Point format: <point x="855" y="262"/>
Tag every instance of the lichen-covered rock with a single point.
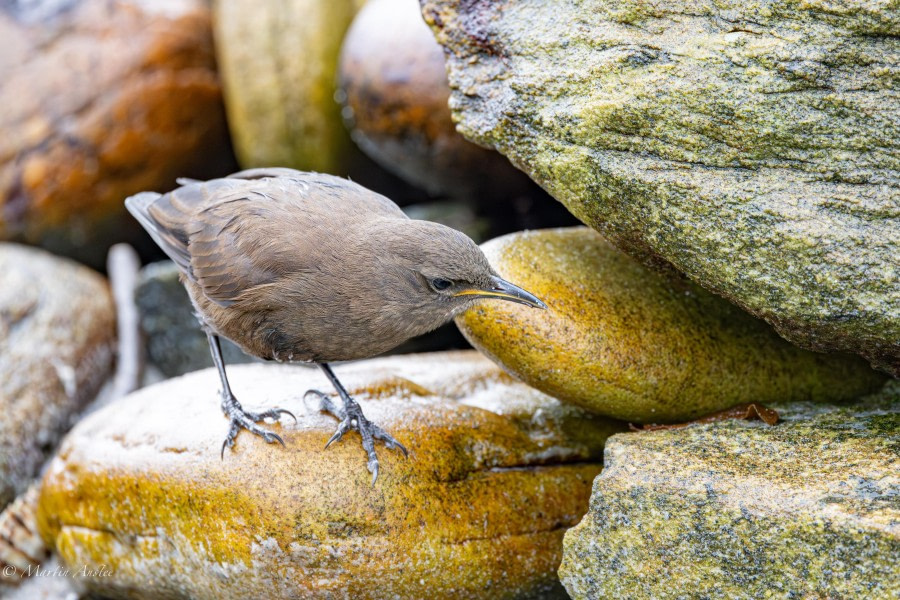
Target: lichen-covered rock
<point x="751" y="144"/>
<point x="625" y="341"/>
<point x="809" y="508"/>
<point x="57" y="336"/>
<point x="174" y="341"/>
<point x="101" y="100"/>
<point x="279" y="65"/>
<point x="394" y="89"/>
<point x="497" y="471"/>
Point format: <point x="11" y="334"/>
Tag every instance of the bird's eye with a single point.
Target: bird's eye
<point x="440" y="284"/>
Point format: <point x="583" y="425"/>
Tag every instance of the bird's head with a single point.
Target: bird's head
<point x="435" y="272"/>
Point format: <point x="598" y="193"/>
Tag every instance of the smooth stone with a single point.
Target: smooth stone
<point x="497" y="471"/>
<point x="628" y="342"/>
<point x="174" y="341"/>
<point x="279" y="62"/>
<point x="57" y="341"/>
<point x="102" y="100"/>
<point x="394" y="91"/>
<point x="809" y="508"/>
<point x="753" y="145"/>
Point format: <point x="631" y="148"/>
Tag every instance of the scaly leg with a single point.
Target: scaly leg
<point x="240" y="418"/>
<point x="351" y="417"/>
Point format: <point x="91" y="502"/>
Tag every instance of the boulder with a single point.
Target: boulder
<point x="809" y="508"/>
<point x="497" y="471"/>
<point x="623" y="340"/>
<point x="279" y="64"/>
<point x="102" y="100"/>
<point x="394" y="89"/>
<point x="751" y="145"/>
<point x="57" y="340"/>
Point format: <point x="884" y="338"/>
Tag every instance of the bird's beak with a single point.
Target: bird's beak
<point x="500" y="288"/>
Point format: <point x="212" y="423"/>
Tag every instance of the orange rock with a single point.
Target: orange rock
<point x="100" y="101"/>
<point x="497" y="472"/>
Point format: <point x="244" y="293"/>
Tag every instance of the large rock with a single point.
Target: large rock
<point x="753" y="145"/>
<point x="57" y="337"/>
<point x="622" y="340"/>
<point x="394" y="89"/>
<point x="497" y="471"/>
<point x="101" y="100"/>
<point x="809" y="508"/>
<point x="279" y="64"/>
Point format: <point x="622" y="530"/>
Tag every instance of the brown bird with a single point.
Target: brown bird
<point x="295" y="266"/>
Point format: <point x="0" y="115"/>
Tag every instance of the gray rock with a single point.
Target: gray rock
<point x="752" y="145"/>
<point x="57" y="337"/>
<point x="175" y="342"/>
<point x="809" y="508"/>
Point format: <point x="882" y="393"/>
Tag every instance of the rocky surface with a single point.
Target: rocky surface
<point x="394" y="90"/>
<point x="625" y="341"/>
<point x="278" y="62"/>
<point x="57" y="337"/>
<point x="172" y="336"/>
<point x="102" y="100"/>
<point x="809" y="508"/>
<point x="497" y="472"/>
<point x="752" y="145"/>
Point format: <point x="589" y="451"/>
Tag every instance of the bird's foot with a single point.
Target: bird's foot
<point x="243" y="419"/>
<point x="351" y="417"/>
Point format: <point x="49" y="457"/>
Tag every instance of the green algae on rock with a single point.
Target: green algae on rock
<point x="497" y="471"/>
<point x="809" y="508"/>
<point x="57" y="339"/>
<point x="625" y="341"/>
<point x="278" y="62"/>
<point x="753" y="145"/>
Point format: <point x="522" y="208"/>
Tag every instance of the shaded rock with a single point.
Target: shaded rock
<point x="625" y="341"/>
<point x="497" y="472"/>
<point x="278" y="62"/>
<point x="394" y="90"/>
<point x="751" y="145"/>
<point x="102" y="100"/>
<point x="57" y="337"/>
<point x="174" y="341"/>
<point x="806" y="509"/>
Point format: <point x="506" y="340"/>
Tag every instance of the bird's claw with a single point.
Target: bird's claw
<point x="241" y="419"/>
<point x="351" y="417"/>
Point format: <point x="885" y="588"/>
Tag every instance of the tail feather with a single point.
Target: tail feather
<point x="141" y="208"/>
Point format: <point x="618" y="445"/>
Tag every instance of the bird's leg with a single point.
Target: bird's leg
<point x="351" y="417"/>
<point x="240" y="418"/>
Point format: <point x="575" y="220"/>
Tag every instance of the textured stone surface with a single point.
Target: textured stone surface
<point x="57" y="337"/>
<point x="623" y="340"/>
<point x="101" y="100"/>
<point x="279" y="65"/>
<point x="751" y="144"/>
<point x="395" y="92"/>
<point x="497" y="472"/>
<point x="809" y="508"/>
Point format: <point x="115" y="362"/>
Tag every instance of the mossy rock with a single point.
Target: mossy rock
<point x="752" y="144"/>
<point x="497" y="472"/>
<point x="808" y="508"/>
<point x="623" y="340"/>
<point x="279" y="63"/>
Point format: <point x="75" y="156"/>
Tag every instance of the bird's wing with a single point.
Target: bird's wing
<point x="234" y="234"/>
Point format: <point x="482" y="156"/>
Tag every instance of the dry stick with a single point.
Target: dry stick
<point x="123" y="266"/>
